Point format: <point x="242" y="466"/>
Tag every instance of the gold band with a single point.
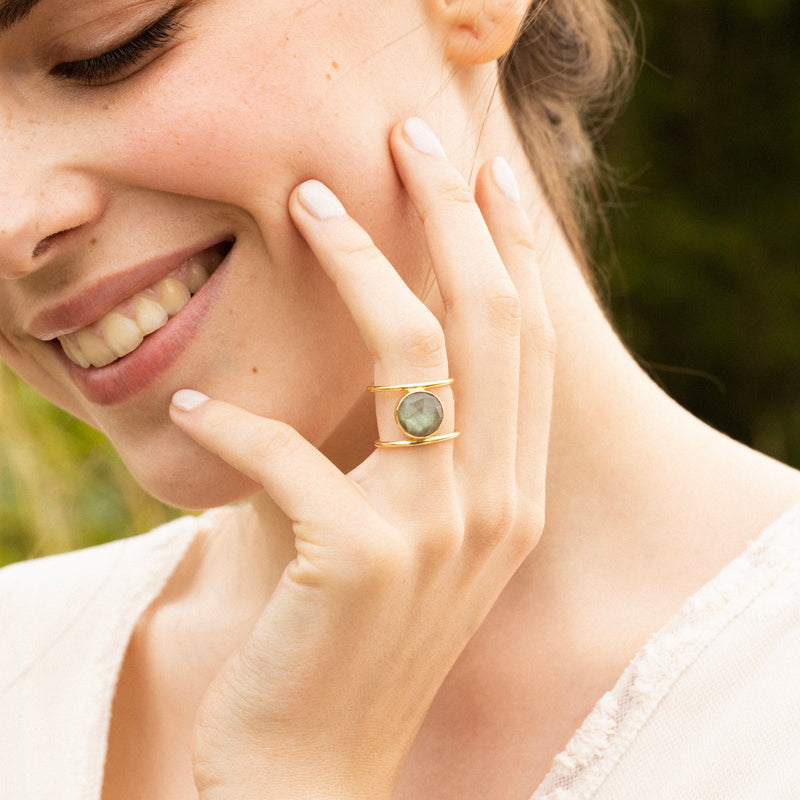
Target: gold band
<point x="443" y="437"/>
<point x="418" y="423"/>
<point x="408" y="387"/>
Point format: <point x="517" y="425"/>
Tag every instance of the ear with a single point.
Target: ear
<point x="478" y="31"/>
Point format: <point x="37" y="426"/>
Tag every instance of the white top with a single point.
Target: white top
<point x="708" y="709"/>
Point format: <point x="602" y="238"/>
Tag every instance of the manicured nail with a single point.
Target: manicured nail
<point x="421" y="137"/>
<point x="188" y="399"/>
<point x="504" y="179"/>
<point x="320" y="201"/>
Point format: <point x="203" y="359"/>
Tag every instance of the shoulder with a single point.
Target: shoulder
<point x="65" y="624"/>
<point x="75" y="572"/>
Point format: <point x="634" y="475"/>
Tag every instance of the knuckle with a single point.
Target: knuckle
<point x="361" y="248"/>
<point x="528" y="531"/>
<point x="385" y="555"/>
<point x="528" y="528"/>
<point x="503" y="305"/>
<point x="221" y="421"/>
<point x="378" y="559"/>
<point x="440" y="542"/>
<point x="458" y="193"/>
<point x="535" y="518"/>
<point x="423" y="345"/>
<point x="379" y="566"/>
<point x="522" y="239"/>
<point x="493" y="520"/>
<point x="541" y="338"/>
<point x="208" y="772"/>
<point x="278" y="441"/>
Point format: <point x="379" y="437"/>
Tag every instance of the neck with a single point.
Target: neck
<point x="623" y="457"/>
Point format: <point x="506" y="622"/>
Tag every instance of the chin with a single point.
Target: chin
<point x="192" y="480"/>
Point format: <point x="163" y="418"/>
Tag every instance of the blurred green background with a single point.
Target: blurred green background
<point x="702" y="277"/>
<point x="707" y="231"/>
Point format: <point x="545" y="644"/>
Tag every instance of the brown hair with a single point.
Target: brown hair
<point x="564" y="80"/>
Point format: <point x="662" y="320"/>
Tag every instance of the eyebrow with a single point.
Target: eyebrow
<point x="14" y="11"/>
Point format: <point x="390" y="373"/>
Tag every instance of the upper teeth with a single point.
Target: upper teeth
<point x="122" y="330"/>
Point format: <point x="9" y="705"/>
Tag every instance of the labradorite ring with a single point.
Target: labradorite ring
<point x="418" y="413"/>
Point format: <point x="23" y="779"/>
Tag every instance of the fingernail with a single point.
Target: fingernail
<point x="188" y="399"/>
<point x="504" y="179"/>
<point x="421" y="137"/>
<point x="320" y="201"/>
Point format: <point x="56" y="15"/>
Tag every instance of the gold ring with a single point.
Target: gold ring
<point x="407" y="387"/>
<point x="419" y="413"/>
<point x="414" y="442"/>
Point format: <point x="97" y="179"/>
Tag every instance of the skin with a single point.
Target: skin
<point x="112" y="154"/>
<point x="384" y="600"/>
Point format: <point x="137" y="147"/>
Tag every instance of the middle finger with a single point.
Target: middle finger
<point x="483" y="314"/>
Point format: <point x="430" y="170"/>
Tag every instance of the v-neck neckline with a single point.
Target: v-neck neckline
<point x="592" y="752"/>
<point x="146" y="563"/>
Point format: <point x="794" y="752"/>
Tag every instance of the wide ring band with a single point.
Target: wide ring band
<point x="419" y="414"/>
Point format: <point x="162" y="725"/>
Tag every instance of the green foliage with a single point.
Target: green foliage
<point x="62" y="486"/>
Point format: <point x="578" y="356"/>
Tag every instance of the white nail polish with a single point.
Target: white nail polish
<point x="188" y="399"/>
<point x="504" y="179"/>
<point x="320" y="201"/>
<point x="421" y="137"/>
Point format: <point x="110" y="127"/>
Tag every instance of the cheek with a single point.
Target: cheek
<point x="247" y="134"/>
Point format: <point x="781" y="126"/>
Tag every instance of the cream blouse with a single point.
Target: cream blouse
<point x="708" y="709"/>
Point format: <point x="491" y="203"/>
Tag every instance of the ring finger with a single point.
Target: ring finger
<point x="483" y="312"/>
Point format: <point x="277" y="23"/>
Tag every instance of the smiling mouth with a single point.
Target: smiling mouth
<point x="124" y="328"/>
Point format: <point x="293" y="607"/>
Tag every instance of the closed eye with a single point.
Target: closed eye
<point x="116" y="64"/>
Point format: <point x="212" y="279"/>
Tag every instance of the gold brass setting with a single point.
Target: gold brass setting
<point x="419" y="413"/>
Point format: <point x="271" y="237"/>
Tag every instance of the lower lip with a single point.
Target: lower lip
<point x="131" y="374"/>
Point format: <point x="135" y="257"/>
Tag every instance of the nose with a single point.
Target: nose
<point x="40" y="205"/>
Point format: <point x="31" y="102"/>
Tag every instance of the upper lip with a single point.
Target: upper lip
<point x="90" y="303"/>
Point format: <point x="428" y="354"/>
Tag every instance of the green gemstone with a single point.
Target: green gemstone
<point x="419" y="414"/>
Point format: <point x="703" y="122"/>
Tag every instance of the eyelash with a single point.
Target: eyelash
<point x="107" y="67"/>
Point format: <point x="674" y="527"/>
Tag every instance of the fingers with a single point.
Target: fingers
<point x="483" y="257"/>
<point x="401" y="333"/>
<point x="403" y="336"/>
<point x="512" y="232"/>
<point x="482" y="325"/>
<point x="306" y="486"/>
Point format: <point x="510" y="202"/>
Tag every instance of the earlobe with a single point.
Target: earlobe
<point x="478" y="31"/>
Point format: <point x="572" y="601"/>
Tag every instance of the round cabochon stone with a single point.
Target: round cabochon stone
<point x="420" y="414"/>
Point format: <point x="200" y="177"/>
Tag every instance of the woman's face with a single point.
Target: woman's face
<point x="125" y="165"/>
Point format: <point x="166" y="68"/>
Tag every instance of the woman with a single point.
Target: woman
<point x="221" y="222"/>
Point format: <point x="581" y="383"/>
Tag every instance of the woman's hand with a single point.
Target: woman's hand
<point x="399" y="562"/>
